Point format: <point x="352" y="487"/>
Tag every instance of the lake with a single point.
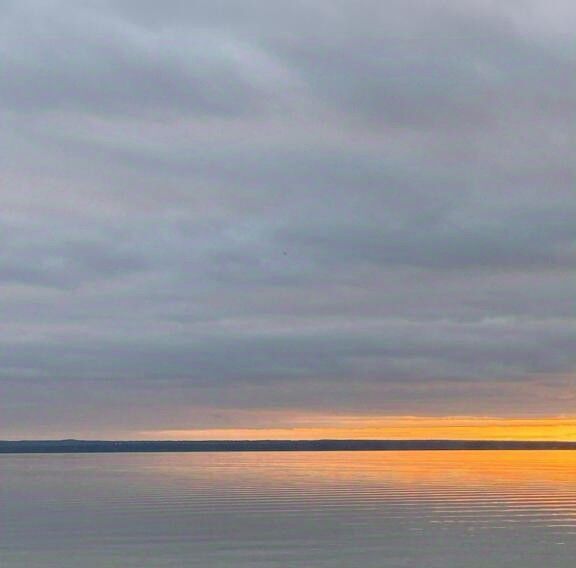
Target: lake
<point x="415" y="509"/>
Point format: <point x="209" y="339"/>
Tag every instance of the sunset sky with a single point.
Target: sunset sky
<point x="287" y="219"/>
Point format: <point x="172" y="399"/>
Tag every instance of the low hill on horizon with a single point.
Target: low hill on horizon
<point x="111" y="446"/>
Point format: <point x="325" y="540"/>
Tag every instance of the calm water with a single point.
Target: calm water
<point x="344" y="509"/>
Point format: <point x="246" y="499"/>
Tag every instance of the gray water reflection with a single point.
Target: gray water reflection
<point x="341" y="509"/>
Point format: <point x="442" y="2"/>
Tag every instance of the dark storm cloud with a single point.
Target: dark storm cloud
<point x="305" y="201"/>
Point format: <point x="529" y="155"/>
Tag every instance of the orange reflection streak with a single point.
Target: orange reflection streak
<point x="461" y="468"/>
<point x="472" y="487"/>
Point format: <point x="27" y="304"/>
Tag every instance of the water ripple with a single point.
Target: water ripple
<point x="373" y="509"/>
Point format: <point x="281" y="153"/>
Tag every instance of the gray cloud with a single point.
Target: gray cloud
<point x="362" y="204"/>
<point x="59" y="56"/>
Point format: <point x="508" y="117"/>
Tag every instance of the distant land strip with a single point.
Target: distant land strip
<point x="98" y="446"/>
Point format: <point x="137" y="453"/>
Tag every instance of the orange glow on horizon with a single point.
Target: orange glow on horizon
<point x="394" y="428"/>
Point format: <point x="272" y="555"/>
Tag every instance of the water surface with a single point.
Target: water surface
<point x="416" y="509"/>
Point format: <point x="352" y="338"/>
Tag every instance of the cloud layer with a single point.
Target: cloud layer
<point x="208" y="208"/>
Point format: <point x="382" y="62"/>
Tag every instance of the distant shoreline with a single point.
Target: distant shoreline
<point x="103" y="446"/>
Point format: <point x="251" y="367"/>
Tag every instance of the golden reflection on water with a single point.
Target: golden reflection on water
<point x="410" y="509"/>
<point x="482" y="489"/>
<point x="501" y="467"/>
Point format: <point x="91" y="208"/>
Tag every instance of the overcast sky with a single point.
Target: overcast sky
<point x="215" y="211"/>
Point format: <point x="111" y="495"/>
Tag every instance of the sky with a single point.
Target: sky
<point x="287" y="219"/>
